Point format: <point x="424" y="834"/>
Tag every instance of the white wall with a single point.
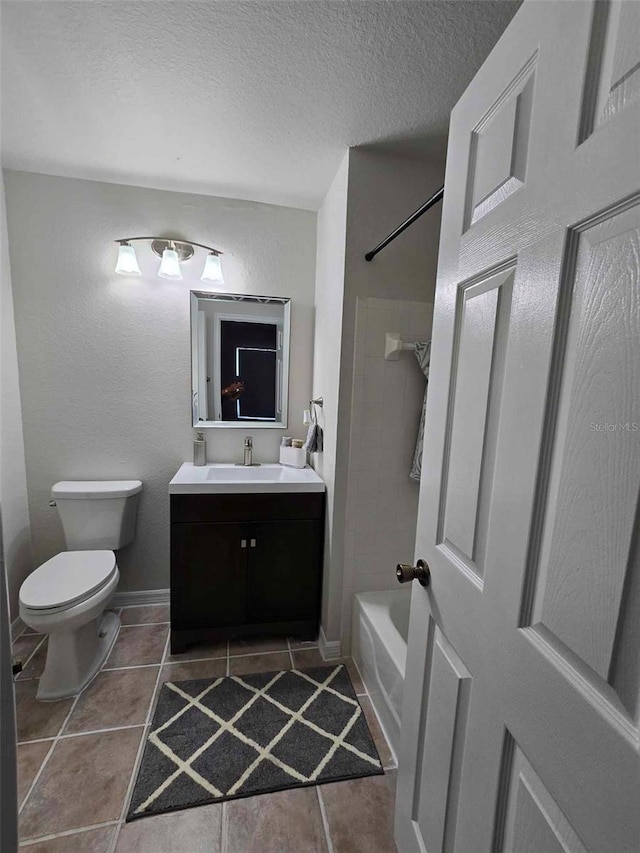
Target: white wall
<point x="382" y="501"/>
<point x="329" y="295"/>
<point x="16" y="529"/>
<point x="105" y="360"/>
<point x="383" y="189"/>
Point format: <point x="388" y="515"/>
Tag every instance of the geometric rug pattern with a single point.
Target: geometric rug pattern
<point x="218" y="739"/>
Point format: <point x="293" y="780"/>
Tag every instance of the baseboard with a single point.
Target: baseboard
<point x="140" y="597"/>
<point x="17" y="627"/>
<point x="329" y="649"/>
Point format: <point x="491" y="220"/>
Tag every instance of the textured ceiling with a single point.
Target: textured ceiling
<point x="254" y="100"/>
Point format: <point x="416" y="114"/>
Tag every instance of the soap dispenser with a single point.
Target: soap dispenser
<point x="199" y="450"/>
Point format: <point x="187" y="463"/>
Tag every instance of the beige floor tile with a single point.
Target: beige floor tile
<point x="30" y="758"/>
<point x="257" y="646"/>
<point x="376" y="732"/>
<point x="355" y="676"/>
<point x="144" y="615"/>
<point x="138" y="645"/>
<point x="35" y="666"/>
<point x="92" y="841"/>
<point x="360" y="814"/>
<point x="392" y="780"/>
<point x="304" y="658"/>
<point x="83" y="783"/>
<point x="25" y="646"/>
<point x="259" y="663"/>
<point x="303" y="644"/>
<point x="38" y="719"/>
<point x="200" y="651"/>
<point x="120" y="697"/>
<point x="190" y="670"/>
<point x="283" y="822"/>
<point x="197" y="830"/>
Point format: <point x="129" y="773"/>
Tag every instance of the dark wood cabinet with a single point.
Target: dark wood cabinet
<point x="212" y="584"/>
<point x="243" y="565"/>
<point x="284" y="571"/>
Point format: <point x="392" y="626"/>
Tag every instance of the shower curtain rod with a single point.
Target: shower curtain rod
<point x="435" y="198"/>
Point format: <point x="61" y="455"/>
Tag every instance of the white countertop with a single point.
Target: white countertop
<point x="226" y="478"/>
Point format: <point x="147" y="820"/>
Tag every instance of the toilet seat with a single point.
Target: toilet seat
<point x="66" y="579"/>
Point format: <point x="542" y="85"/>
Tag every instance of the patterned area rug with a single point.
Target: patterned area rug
<point x="219" y="739"/>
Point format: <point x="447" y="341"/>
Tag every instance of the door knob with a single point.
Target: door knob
<point x="420" y="572"/>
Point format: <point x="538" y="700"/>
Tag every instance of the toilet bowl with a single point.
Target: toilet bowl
<point x="66" y="598"/>
<point x="67" y="595"/>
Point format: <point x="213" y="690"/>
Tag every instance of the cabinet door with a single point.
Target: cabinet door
<point x="284" y="571"/>
<point x="208" y="574"/>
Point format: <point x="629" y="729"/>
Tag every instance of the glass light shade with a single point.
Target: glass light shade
<point x="212" y="269"/>
<point x="127" y="262"/>
<point x="170" y="265"/>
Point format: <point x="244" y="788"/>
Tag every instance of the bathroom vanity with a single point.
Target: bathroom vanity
<point x="246" y="552"/>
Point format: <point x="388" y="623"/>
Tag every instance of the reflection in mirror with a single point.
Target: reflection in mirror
<point x="239" y="360"/>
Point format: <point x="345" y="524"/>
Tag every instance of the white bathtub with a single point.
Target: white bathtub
<point x="379" y="646"/>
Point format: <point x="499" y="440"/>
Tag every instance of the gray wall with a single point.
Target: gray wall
<point x="382" y="190"/>
<point x="105" y="360"/>
<point x="16" y="529"/>
<point x="382" y="501"/>
<point x="329" y="296"/>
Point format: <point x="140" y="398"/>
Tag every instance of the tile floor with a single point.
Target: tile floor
<point x="77" y="759"/>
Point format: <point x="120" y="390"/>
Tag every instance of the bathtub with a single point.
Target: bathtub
<point x="379" y="646"/>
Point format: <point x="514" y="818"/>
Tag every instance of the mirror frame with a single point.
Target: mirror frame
<point x="231" y="298"/>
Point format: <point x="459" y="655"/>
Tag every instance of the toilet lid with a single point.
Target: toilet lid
<point x="67" y="578"/>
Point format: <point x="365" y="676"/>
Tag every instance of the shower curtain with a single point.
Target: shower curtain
<point x="423" y="354"/>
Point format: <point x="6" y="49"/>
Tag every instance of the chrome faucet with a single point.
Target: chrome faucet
<point x="248" y="450"/>
<point x="248" y="453"/>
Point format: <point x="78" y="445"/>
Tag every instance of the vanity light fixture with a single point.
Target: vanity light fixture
<point x="172" y="254"/>
<point x="127" y="261"/>
<point x="170" y="264"/>
<point x="212" y="269"/>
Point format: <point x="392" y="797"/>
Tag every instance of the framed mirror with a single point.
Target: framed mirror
<point x="239" y="360"/>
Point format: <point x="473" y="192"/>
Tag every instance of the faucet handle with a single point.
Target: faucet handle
<point x="248" y="441"/>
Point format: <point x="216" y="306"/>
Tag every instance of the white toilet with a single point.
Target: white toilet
<point x="66" y="597"/>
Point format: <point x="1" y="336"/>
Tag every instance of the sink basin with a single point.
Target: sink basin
<point x="224" y="474"/>
<point x="225" y="478"/>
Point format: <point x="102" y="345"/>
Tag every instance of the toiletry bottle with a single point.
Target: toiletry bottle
<point x="199" y="450"/>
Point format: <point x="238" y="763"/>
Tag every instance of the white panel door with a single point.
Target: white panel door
<point x="520" y="728"/>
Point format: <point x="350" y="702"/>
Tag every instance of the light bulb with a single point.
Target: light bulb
<point x="127" y="262"/>
<point x="212" y="269"/>
<point x="170" y="265"/>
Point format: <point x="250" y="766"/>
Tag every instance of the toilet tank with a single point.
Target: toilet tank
<point x="97" y="514"/>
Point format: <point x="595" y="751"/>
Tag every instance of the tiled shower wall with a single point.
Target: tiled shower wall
<point x="382" y="501"/>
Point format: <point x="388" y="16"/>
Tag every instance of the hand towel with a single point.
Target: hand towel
<point x="423" y="354"/>
<point x="313" y="443"/>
